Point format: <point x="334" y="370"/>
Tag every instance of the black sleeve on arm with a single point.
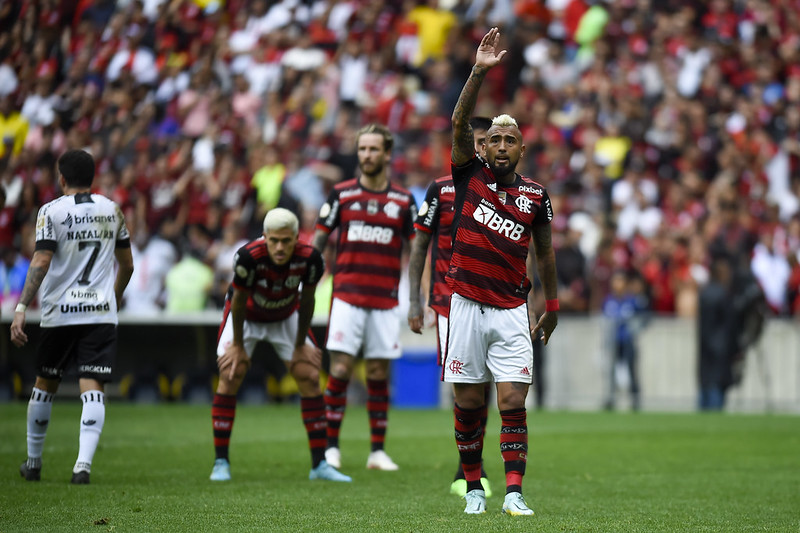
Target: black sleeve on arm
<point x="47" y="246"/>
<point x="428" y="216"/>
<point x="244" y="269"/>
<point x="545" y="213"/>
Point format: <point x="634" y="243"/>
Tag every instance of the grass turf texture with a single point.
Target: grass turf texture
<point x="586" y="472"/>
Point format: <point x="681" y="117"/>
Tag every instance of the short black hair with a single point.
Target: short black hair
<point x="480" y="123"/>
<point x="77" y="167"/>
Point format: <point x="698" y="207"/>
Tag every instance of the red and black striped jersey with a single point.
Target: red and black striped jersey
<point x="436" y="217"/>
<point x="273" y="288"/>
<point x="493" y="226"/>
<point x="372" y="227"/>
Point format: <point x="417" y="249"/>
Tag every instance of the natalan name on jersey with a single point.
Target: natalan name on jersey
<point x="83" y="231"/>
<point x="90" y="234"/>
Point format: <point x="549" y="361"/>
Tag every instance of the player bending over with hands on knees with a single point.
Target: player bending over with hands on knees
<point x="497" y="214"/>
<point x="271" y="299"/>
<point x="78" y="237"/>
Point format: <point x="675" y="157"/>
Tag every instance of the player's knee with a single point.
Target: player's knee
<point x="341" y="367"/>
<point x="305" y="373"/>
<point x="47" y="384"/>
<point x="513" y="400"/>
<point x="469" y="396"/>
<point x="230" y="385"/>
<point x="377" y="369"/>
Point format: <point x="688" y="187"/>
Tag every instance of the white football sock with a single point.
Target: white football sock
<point x="39" y="407"/>
<point x="93" y="416"/>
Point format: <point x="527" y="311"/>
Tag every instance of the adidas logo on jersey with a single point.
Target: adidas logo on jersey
<point x="486" y="215"/>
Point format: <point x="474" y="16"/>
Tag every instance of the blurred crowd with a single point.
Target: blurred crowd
<point x="667" y="132"/>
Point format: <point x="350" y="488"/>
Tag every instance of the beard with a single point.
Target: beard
<point x="500" y="171"/>
<point x="372" y="170"/>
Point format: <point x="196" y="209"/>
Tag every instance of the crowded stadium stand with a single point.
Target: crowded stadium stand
<point x="667" y="132"/>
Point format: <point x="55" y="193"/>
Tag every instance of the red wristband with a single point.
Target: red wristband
<point x="551" y="305"/>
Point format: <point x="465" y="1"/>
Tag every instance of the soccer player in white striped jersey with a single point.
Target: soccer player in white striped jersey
<point x="78" y="237"/>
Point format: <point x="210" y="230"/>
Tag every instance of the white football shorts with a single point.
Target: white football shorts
<point x="376" y="330"/>
<point x="281" y="335"/>
<point x="487" y="343"/>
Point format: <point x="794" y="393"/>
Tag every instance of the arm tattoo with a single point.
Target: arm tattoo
<point x="33" y="281"/>
<point x="545" y="260"/>
<point x="416" y="262"/>
<point x="542" y="238"/>
<point x="463" y="143"/>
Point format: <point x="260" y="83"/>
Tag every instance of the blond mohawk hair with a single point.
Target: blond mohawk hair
<point x="505" y="121"/>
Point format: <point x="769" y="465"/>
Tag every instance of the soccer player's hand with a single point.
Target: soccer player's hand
<point x="430" y="317"/>
<point x="18" y="336"/>
<point x="488" y="54"/>
<point x="235" y="357"/>
<point x="416" y="319"/>
<point x="547" y="323"/>
<point x="307" y="354"/>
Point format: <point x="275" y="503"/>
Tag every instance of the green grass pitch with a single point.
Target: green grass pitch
<point x="586" y="472"/>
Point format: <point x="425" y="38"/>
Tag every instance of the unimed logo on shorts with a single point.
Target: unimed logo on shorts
<point x="487" y="216"/>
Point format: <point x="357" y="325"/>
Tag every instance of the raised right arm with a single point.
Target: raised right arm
<point x="486" y="57"/>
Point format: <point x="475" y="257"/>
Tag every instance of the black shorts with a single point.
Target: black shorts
<point x="89" y="349"/>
